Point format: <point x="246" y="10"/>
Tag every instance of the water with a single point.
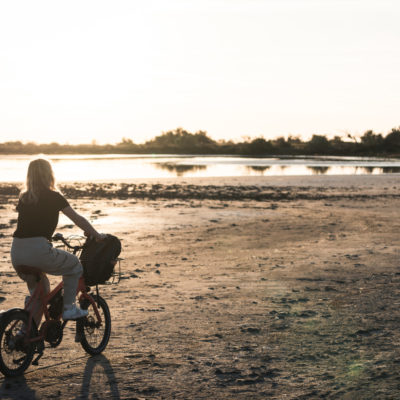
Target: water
<point x="124" y="167"/>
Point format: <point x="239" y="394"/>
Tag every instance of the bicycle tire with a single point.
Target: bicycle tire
<point x="15" y="356"/>
<point x="94" y="337"/>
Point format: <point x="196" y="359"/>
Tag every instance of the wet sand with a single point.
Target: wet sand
<point x="234" y="288"/>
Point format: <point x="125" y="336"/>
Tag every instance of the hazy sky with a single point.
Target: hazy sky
<point x="74" y="71"/>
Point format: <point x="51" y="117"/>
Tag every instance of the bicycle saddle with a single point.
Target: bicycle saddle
<point x="28" y="270"/>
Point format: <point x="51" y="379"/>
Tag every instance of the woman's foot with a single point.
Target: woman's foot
<point x="73" y="312"/>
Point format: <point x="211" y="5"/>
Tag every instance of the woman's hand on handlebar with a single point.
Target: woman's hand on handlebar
<point x="99" y="237"/>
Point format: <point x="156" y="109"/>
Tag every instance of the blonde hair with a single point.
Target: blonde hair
<point x="39" y="177"/>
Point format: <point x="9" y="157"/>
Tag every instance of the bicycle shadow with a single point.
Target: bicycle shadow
<point x="99" y="380"/>
<point x="12" y="388"/>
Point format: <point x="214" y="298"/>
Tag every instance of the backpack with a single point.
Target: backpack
<point x="99" y="258"/>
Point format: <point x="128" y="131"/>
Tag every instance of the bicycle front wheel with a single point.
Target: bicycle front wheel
<point x="93" y="333"/>
<point x="15" y="354"/>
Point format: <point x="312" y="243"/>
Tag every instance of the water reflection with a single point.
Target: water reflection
<point x="378" y="170"/>
<point x="180" y="169"/>
<point x="368" y="170"/>
<point x="390" y="170"/>
<point x="318" y="170"/>
<point x="121" y="167"/>
<point x="259" y="169"/>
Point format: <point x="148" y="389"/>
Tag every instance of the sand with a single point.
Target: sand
<point x="234" y="288"/>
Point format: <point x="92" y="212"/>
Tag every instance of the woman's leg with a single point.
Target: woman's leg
<point x="68" y="265"/>
<point x="32" y="283"/>
<point x="38" y="252"/>
<point x="35" y="305"/>
<point x="23" y="252"/>
<point x="60" y="262"/>
<point x="71" y="280"/>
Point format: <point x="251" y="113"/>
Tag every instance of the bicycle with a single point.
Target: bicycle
<point x="21" y="339"/>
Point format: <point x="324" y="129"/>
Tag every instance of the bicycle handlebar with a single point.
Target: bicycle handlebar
<point x="59" y="237"/>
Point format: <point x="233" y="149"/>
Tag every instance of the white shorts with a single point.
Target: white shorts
<point x="38" y="252"/>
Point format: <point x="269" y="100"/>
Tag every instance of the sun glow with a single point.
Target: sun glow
<point x="100" y="70"/>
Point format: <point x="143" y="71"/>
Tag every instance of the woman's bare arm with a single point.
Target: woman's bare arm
<point x="81" y="222"/>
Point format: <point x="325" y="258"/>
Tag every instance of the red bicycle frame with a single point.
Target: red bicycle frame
<point x="39" y="299"/>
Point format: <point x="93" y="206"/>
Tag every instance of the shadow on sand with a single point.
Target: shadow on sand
<point x="16" y="388"/>
<point x="99" y="382"/>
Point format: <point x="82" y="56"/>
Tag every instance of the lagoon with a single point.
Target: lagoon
<point x="117" y="167"/>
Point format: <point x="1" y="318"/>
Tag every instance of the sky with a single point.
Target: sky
<point x="77" y="71"/>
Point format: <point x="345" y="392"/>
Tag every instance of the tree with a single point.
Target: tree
<point x="371" y="142"/>
<point x="260" y="146"/>
<point x="318" y="145"/>
<point x="392" y="141"/>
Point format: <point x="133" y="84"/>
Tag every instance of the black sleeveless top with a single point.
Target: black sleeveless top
<point x="41" y="218"/>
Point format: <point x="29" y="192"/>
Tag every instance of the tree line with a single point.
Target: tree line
<point x="180" y="141"/>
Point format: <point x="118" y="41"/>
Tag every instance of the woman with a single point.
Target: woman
<point x="38" y="210"/>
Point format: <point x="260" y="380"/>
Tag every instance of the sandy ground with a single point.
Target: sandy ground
<point x="282" y="297"/>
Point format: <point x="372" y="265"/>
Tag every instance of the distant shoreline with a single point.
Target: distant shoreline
<point x="341" y="157"/>
<point x="180" y="141"/>
<point x="184" y="155"/>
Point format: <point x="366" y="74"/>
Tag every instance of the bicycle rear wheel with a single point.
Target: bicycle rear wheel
<point x="94" y="335"/>
<point x="15" y="354"/>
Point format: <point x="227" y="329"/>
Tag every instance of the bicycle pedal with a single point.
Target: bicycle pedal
<point x="36" y="360"/>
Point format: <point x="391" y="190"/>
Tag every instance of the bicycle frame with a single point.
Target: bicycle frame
<point x="28" y="331"/>
<point x="41" y="300"/>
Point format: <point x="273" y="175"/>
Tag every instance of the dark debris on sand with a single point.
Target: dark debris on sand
<point x="199" y="192"/>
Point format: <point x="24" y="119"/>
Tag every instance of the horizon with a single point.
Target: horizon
<point x="344" y="138"/>
<point x="241" y="68"/>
